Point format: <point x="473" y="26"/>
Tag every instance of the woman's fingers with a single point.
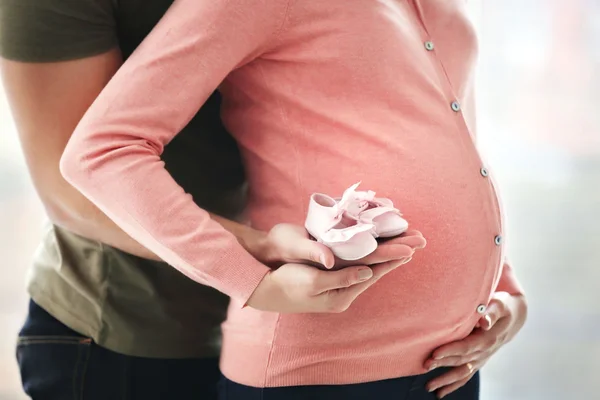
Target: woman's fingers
<point x="455" y="361"/>
<point x="414" y="241"/>
<point x="454" y="377"/>
<point x="398" y="248"/>
<point x="446" y="390"/>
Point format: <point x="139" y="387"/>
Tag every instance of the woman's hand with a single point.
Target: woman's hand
<point x="504" y="318"/>
<point x="287" y="243"/>
<point x="296" y="286"/>
<point x="300" y="288"/>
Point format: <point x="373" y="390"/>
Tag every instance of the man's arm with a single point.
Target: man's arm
<point x="47" y="102"/>
<point x="57" y="55"/>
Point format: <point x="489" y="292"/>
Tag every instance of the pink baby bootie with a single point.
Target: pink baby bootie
<point x="379" y="211"/>
<point x="348" y="239"/>
<point x="349" y="226"/>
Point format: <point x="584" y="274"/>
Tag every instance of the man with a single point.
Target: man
<point x="107" y="319"/>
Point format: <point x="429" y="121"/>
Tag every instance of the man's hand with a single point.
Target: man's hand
<point x="504" y="318"/>
<point x="296" y="286"/>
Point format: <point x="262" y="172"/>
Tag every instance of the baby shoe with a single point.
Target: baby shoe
<point x="348" y="238"/>
<point x="365" y="208"/>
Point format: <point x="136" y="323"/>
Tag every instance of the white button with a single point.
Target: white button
<point x="455" y="106"/>
<point x="484" y="171"/>
<point x="429" y="45"/>
<point x="481" y="308"/>
<point x="498" y="240"/>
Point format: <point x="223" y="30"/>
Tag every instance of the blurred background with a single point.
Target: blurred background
<point x="539" y="127"/>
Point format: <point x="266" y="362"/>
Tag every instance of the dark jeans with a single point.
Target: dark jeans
<point x="57" y="363"/>
<point x="409" y="388"/>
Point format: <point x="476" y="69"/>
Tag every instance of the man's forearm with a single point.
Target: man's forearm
<point x="254" y="241"/>
<point x="72" y="211"/>
<point x="47" y="101"/>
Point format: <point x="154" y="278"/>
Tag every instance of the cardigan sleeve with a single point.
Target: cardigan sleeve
<point x="113" y="157"/>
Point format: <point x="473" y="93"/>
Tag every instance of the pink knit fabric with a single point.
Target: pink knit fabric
<point x="319" y="94"/>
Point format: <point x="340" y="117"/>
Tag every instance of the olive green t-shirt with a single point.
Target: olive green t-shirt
<point x="125" y="303"/>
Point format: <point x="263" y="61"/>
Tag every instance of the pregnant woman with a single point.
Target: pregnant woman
<point x="319" y="95"/>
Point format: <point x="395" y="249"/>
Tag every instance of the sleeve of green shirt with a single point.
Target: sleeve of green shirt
<point x="56" y="30"/>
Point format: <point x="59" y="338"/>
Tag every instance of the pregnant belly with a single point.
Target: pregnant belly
<point x="439" y="291"/>
<point x="446" y="197"/>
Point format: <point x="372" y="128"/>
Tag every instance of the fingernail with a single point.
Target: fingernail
<point x="322" y="260"/>
<point x="405" y="260"/>
<point x="432" y="367"/>
<point x="365" y="273"/>
<point x="438" y="357"/>
<point x="431" y="389"/>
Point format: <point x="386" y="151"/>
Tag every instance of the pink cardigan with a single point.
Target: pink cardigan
<point x="319" y="95"/>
